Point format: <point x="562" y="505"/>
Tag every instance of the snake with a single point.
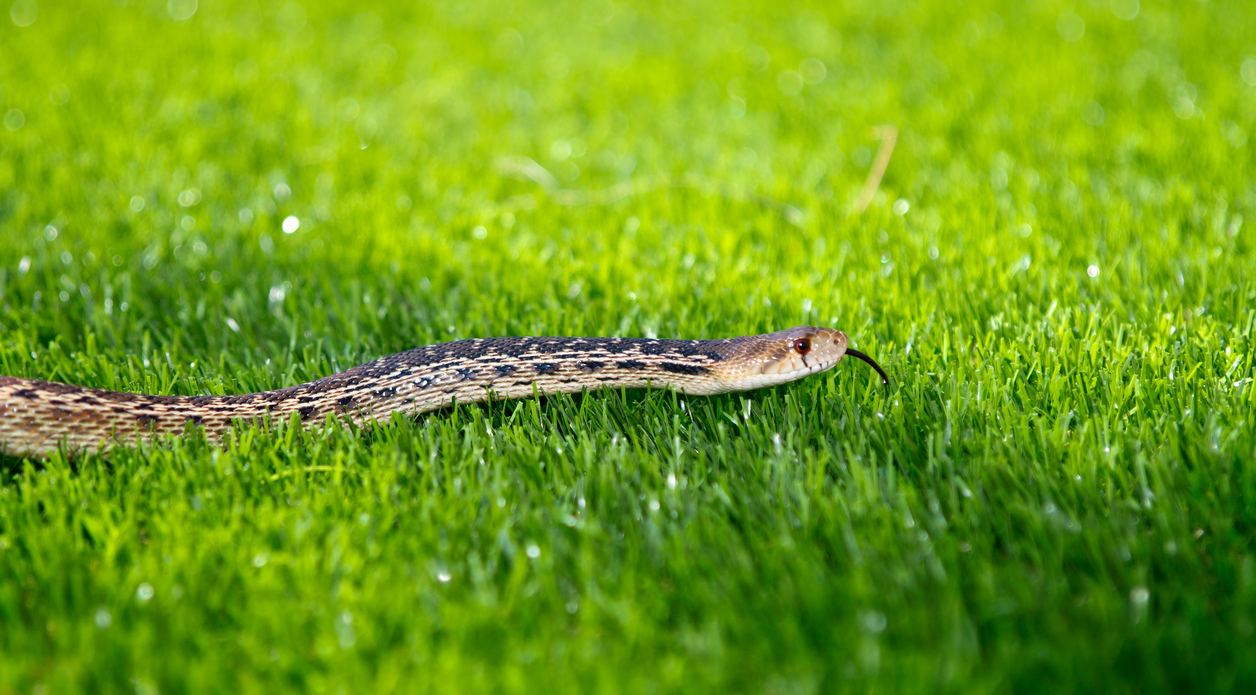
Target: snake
<point x="38" y="417"/>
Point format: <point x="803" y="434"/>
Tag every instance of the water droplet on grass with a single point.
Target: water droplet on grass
<point x="557" y="66"/>
<point x="345" y="634"/>
<point x="24" y="12"/>
<point x="560" y="150"/>
<point x="509" y="44"/>
<point x="1070" y="26"/>
<point x="1139" y="597"/>
<point x="1124" y="9"/>
<point x="1183" y="107"/>
<point x="789" y="82"/>
<point x="872" y="622"/>
<point x="181" y="10"/>
<point x="812" y="71"/>
<point x="1248" y="71"/>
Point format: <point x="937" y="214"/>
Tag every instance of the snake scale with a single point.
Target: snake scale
<point x="38" y="417"/>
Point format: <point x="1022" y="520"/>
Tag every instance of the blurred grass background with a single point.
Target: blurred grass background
<point x="1056" y="494"/>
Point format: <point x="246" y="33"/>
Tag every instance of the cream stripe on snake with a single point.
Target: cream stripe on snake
<point x="38" y="417"/>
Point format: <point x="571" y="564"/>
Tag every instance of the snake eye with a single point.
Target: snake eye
<point x="802" y="345"/>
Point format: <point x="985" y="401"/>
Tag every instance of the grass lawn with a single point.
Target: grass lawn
<point x="1057" y="493"/>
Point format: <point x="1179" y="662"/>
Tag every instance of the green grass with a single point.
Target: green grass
<point x="1056" y="494"/>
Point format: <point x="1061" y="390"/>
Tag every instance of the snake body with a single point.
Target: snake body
<point x="38" y="417"/>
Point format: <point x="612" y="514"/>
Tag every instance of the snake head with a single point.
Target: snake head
<point x="776" y="358"/>
<point x="784" y="356"/>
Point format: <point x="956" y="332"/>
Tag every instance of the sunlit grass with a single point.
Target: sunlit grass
<point x="1056" y="493"/>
